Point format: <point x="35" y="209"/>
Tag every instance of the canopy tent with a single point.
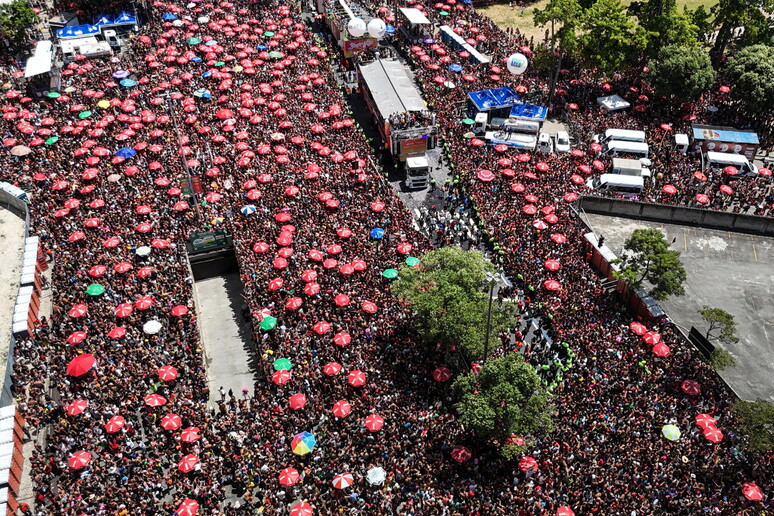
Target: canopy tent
<point x="414" y="16"/>
<point x="529" y="112"/>
<point x="392" y="89"/>
<point x="77" y="31"/>
<point x="102" y="20"/>
<point x="40" y="62"/>
<point x="493" y="99"/>
<point x="613" y="102"/>
<point x="124" y="19"/>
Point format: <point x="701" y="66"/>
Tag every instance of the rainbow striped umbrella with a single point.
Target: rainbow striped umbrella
<point x="303" y="443"/>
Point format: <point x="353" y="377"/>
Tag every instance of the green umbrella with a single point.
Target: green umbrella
<point x="268" y="323"/>
<point x="268" y="34"/>
<point x="671" y="432"/>
<point x="52" y="140"/>
<point x="53" y="94"/>
<point x="468" y="121"/>
<point x="220" y="63"/>
<point x="193" y="41"/>
<point x="95" y="289"/>
<point x="84" y="114"/>
<point x="275" y="55"/>
<point x="390" y="273"/>
<point x="283" y="364"/>
<point x="412" y="261"/>
<point x="444" y="13"/>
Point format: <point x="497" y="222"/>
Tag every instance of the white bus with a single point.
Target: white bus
<point x="623" y="135"/>
<point x="721" y="160"/>
<point x="629" y="186"/>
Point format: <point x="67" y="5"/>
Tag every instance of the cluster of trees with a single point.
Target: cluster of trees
<point x="449" y="295"/>
<point x="610" y="36"/>
<point x="15" y="18"/>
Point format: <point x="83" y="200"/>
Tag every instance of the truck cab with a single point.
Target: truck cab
<point x="417" y="171"/>
<point x="480" y="123"/>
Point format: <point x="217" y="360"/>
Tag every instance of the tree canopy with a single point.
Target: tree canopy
<point x="751" y="72"/>
<point x="664" y="24"/>
<point x="756" y="420"/>
<point x="683" y="73"/>
<point x="448" y="293"/>
<point x="567" y="14"/>
<point x="721" y="321"/>
<point x="649" y="259"/>
<point x="15" y="19"/>
<point x="505" y="398"/>
<point x="610" y="36"/>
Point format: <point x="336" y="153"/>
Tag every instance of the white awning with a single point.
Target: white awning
<point x="40" y="62"/>
<point x="414" y="16"/>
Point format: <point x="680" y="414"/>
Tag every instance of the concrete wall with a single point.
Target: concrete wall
<point x="681" y="215"/>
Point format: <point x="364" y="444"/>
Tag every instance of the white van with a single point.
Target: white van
<point x="629" y="186"/>
<point x="624" y="135"/>
<point x="562" y="141"/>
<point x="545" y="143"/>
<point x="631" y="167"/>
<point x="621" y="148"/>
<point x="721" y="160"/>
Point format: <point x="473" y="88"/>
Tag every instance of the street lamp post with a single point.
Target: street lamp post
<point x="492" y="279"/>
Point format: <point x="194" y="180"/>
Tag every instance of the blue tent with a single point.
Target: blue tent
<point x="77" y="31"/>
<point x="529" y="112"/>
<point x="102" y="20"/>
<point x="168" y="16"/>
<point x="124" y="19"/>
<point x="497" y="98"/>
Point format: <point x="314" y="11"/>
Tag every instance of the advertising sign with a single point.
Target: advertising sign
<point x="415" y="146"/>
<point x="206" y="240"/>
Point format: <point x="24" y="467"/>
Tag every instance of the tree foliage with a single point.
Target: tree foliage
<point x="721" y="359"/>
<point x="649" y="259"/>
<point x="567" y="14"/>
<point x="450" y="299"/>
<point x="722" y="321"/>
<point x="15" y="19"/>
<point x="756" y="420"/>
<point x="610" y="36"/>
<point x="504" y="399"/>
<point x="664" y="24"/>
<point x="751" y="73"/>
<point x="750" y="14"/>
<point x="683" y="73"/>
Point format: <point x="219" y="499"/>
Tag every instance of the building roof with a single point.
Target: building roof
<point x="392" y="89"/>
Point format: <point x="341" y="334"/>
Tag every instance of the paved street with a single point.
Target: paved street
<point x="731" y="271"/>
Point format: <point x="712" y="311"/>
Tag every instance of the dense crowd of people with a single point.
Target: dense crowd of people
<point x="244" y="101"/>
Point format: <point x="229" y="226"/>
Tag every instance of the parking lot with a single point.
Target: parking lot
<point x="730" y="271"/>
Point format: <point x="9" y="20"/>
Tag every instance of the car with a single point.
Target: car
<point x="562" y="140"/>
<point x="545" y="143"/>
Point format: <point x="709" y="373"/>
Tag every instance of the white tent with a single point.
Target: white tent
<point x="613" y="102"/>
<point x="40" y="62"/>
<point x="414" y="16"/>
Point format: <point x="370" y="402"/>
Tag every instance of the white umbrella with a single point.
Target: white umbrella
<point x="248" y="209"/>
<point x="376" y="476"/>
<point x="143" y="250"/>
<point x="203" y="19"/>
<point x="152" y="327"/>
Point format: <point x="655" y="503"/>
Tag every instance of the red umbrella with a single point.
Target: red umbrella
<point x="276" y="284"/>
<point x="765" y="172"/>
<point x="552" y="285"/>
<point x="713" y="435"/>
<point x="159" y="243"/>
<point x="342" y="338"/>
<point x="356" y="378"/>
<point x="405" y="248"/>
<point x="691" y="387"/>
<point x="527" y="464"/>
<point x="558" y="238"/>
<point x="281" y="377"/>
<point x="297" y="401"/>
<point x="661" y="350"/>
<point x="77" y="235"/>
<point x="539" y="224"/>
<point x="374" y="422"/>
<point x="651" y="338"/>
<point x="117" y="333"/>
<point x="302" y="509"/>
<point x="167" y="373"/>
<point x="341" y="408"/>
<point x="288" y="476"/>
<point x="332" y="368"/>
<point x="114" y="424"/>
<point x="76" y="407"/>
<point x="122" y="267"/>
<point x="369" y="307"/>
<point x="726" y="189"/>
<point x="669" y="189"/>
<point x="76" y="337"/>
<point x="188" y="463"/>
<point x="564" y="511"/>
<point x="187" y="508"/>
<point x="78" y="310"/>
<point x="699" y="176"/>
<point x="552" y="265"/>
<point x="542" y="167"/>
<point x="179" y="311"/>
<point x="730" y="171"/>
<point x="461" y="454"/>
<point x="705" y="421"/>
<point x="330" y="263"/>
<point x="155" y="400"/>
<point x="123" y="310"/>
<point x="485" y="175"/>
<point x="79" y="460"/>
<point x="190" y="434"/>
<point x="529" y="209"/>
<point x="81" y="364"/>
<point x="260" y="247"/>
<point x="517" y="187"/>
<point x="752" y="492"/>
<point x="311" y="288"/>
<point x="638" y="328"/>
<point x="144" y="303"/>
<point x="346" y="269"/>
<point x="294" y="303"/>
<point x="279" y="263"/>
<point x="321" y="327"/>
<point x="442" y="374"/>
<point x="171" y="422"/>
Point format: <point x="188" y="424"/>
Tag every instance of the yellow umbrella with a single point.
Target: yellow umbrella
<point x="104" y="104"/>
<point x="69" y="89"/>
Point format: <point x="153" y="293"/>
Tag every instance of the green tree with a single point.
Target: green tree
<point x="505" y="398"/>
<point x="566" y="14"/>
<point x="682" y="73"/>
<point x="15" y="19"/>
<point x="702" y="19"/>
<point x="664" y="24"/>
<point x="448" y="294"/>
<point x="751" y="74"/>
<point x="721" y="359"/>
<point x="731" y="14"/>
<point x="756" y="420"/>
<point x="721" y="320"/>
<point x="649" y="259"/>
<point x="611" y="38"/>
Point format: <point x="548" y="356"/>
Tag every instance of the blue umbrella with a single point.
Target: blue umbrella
<point x="128" y="83"/>
<point x="261" y="47"/>
<point x="126" y="152"/>
<point x="120" y="74"/>
<point x="207" y="75"/>
<point x="455" y="68"/>
<point x="211" y="43"/>
<point x="247" y="210"/>
<point x="196" y="59"/>
<point x="391" y="30"/>
<point x="377" y="233"/>
<point x="203" y="94"/>
<point x="168" y="16"/>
